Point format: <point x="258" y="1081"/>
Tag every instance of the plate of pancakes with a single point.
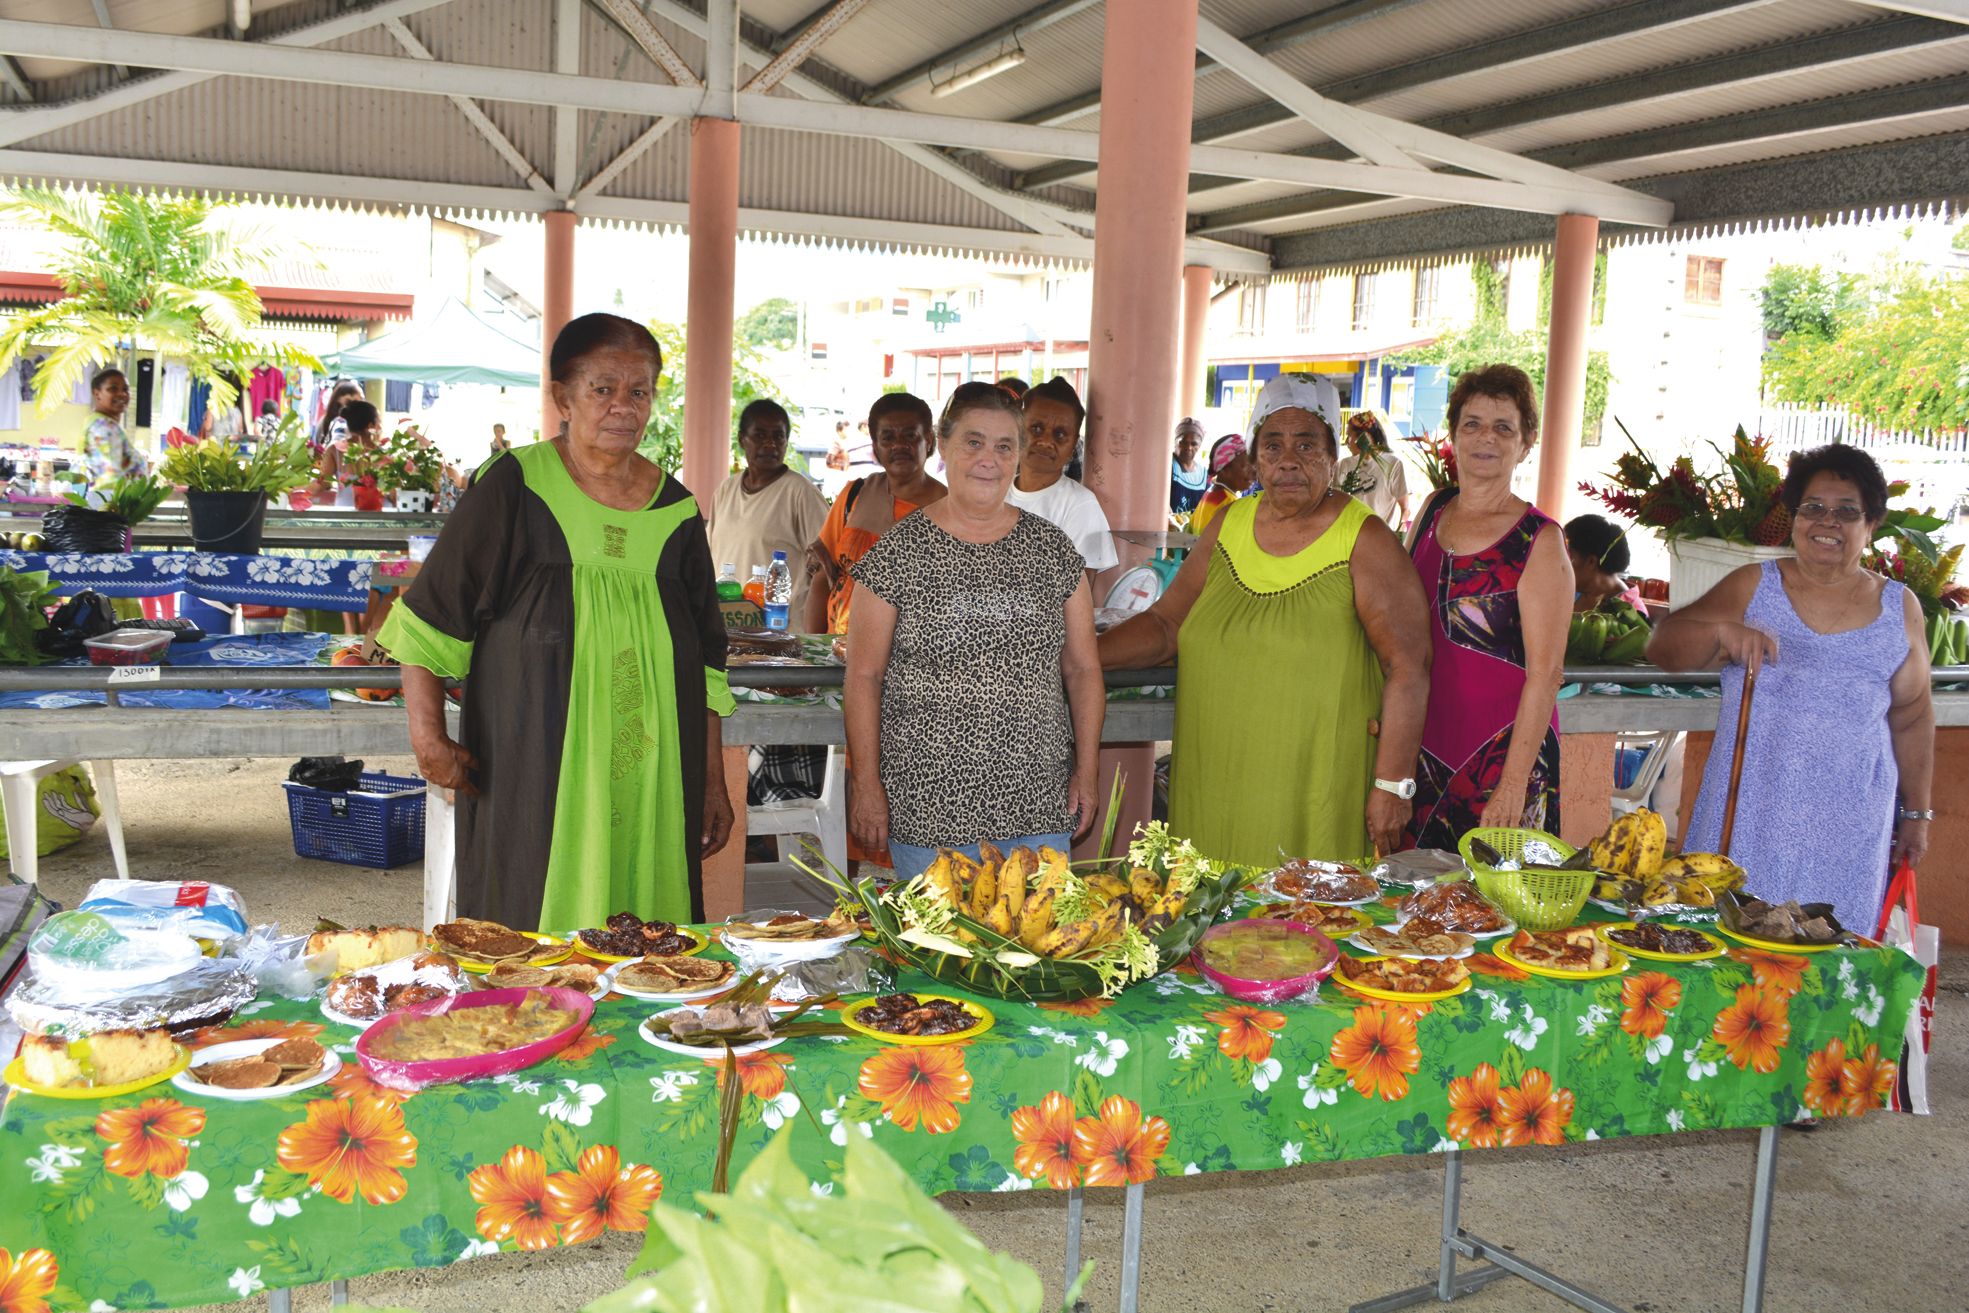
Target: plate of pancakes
<point x="258" y="1069"/>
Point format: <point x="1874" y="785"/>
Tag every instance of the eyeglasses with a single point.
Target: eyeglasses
<point x="1816" y="510"/>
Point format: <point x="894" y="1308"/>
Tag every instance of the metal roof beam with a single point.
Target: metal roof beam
<point x="1289" y="33"/>
<point x="1032" y="20"/>
<point x="631" y="19"/>
<point x="408" y="192"/>
<point x="10" y="70"/>
<point x="1589" y="29"/>
<point x="104" y="20"/>
<point x="575" y="92"/>
<point x="807" y="40"/>
<point x="1888" y="104"/>
<point x="475" y="116"/>
<point x="22" y="124"/>
<point x="629" y="154"/>
<point x="1035" y="215"/>
<point x="1953" y="11"/>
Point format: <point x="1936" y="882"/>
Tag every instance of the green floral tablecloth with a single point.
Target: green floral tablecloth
<point x="163" y="1198"/>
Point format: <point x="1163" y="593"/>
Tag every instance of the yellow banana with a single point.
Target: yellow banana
<point x="941" y="877"/>
<point x="1694" y="892"/>
<point x="1053" y="872"/>
<point x="1064" y="940"/>
<point x="988" y="854"/>
<point x="1108" y="923"/>
<point x="1108" y="885"/>
<point x="1013" y="878"/>
<point x="1651" y="842"/>
<point x="999" y="918"/>
<point x="1036" y="917"/>
<point x="985" y="891"/>
<point x="1145" y="885"/>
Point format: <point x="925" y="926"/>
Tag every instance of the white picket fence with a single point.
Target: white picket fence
<point x="1934" y="462"/>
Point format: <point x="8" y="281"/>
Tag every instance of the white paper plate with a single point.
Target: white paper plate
<point x="756" y="953"/>
<point x="246" y="1048"/>
<point x="699" y="1050"/>
<point x="1366" y="947"/>
<point x="609" y="983"/>
<point x="1510" y="928"/>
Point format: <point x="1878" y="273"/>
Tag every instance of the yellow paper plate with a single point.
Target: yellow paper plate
<point x="1715" y="948"/>
<point x="16" y="1076"/>
<point x="1620" y="964"/>
<point x="482" y="968"/>
<point x="986" y="1022"/>
<point x="1361" y="921"/>
<point x="1772" y="945"/>
<point x="1396" y="996"/>
<point x="698" y="943"/>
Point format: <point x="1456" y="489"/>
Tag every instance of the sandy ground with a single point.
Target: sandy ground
<point x="1872" y="1215"/>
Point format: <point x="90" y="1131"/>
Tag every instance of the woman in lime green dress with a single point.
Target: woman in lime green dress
<point x="1300" y="632"/>
<point x="572" y="590"/>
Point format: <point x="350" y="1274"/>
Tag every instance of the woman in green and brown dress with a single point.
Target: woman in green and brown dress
<point x="1300" y="632"/>
<point x="573" y="591"/>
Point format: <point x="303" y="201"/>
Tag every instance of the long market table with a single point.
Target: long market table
<point x="209" y="1200"/>
<point x="327" y="527"/>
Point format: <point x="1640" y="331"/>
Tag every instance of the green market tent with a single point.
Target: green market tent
<point x="453" y="346"/>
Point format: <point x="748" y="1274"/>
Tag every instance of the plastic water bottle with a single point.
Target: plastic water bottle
<point x="729" y="588"/>
<point x="779" y="591"/>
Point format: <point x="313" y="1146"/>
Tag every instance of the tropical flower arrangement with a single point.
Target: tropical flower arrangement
<point x="277" y="465"/>
<point x="130" y="500"/>
<point x="1739" y="504"/>
<point x="1438" y="459"/>
<point x="407" y="462"/>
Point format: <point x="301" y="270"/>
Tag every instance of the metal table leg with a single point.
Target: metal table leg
<point x="1449" y="1283"/>
<point x="1075" y="1204"/>
<point x="338" y="1292"/>
<point x="1764" y="1187"/>
<point x="280" y="1301"/>
<point x="1131" y="1248"/>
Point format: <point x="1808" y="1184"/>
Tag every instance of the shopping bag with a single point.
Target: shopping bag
<point x="1900" y="927"/>
<point x="64" y="808"/>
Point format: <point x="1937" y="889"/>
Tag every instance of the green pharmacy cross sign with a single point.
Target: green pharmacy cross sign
<point x="941" y="314"/>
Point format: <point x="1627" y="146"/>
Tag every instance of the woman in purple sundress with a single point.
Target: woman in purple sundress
<point x="1500" y="592"/>
<point x="1841" y="723"/>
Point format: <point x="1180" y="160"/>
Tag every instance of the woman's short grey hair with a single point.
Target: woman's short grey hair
<point x="979" y="396"/>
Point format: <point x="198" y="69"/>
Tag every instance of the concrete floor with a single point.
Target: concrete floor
<point x="1871" y="1215"/>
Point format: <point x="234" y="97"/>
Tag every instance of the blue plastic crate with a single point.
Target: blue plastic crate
<point x="380" y="824"/>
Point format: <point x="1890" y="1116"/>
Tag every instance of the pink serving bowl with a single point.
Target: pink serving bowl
<point x="1265" y="991"/>
<point x="416" y="1075"/>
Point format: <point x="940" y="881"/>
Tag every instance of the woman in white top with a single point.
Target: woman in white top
<point x="1052" y="416"/>
<point x="1373" y="474"/>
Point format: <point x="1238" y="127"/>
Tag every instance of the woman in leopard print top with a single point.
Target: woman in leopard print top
<point x="972" y="674"/>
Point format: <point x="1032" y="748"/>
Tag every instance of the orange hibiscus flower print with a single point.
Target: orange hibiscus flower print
<point x="1646" y="1000"/>
<point x="25" y="1282"/>
<point x="1378" y="1052"/>
<point x="761" y="1075"/>
<point x="1045" y="1136"/>
<point x="1119" y="1147"/>
<point x="1754" y="1028"/>
<point x="1490" y="964"/>
<point x="1867" y="1081"/>
<point x="1534" y="1112"/>
<point x="1823" y="1093"/>
<point x="1085" y="1007"/>
<point x="919" y="1085"/>
<point x="601" y="1195"/>
<point x="1476" y="1109"/>
<point x="585" y="1045"/>
<point x="352" y="1082"/>
<point x="350" y="1147"/>
<point x="1247" y="1031"/>
<point x="1782" y="973"/>
<point x="512" y="1198"/>
<point x="264" y="1028"/>
<point x="149" y="1138"/>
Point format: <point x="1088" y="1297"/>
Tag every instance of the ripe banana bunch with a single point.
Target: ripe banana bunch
<point x="1632" y="854"/>
<point x="1633" y="846"/>
<point x="1019" y="897"/>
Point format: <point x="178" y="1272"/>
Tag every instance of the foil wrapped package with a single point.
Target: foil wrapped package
<point x="855" y="970"/>
<point x="206" y="994"/>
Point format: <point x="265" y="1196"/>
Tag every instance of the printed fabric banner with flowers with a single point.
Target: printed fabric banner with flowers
<point x="163" y="1198"/>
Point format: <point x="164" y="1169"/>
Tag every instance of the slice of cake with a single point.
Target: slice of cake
<point x="117" y="1057"/>
<point x="49" y="1063"/>
<point x="356" y="949"/>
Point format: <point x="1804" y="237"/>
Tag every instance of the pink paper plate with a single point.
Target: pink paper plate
<point x="1265" y="991"/>
<point x="416" y="1075"/>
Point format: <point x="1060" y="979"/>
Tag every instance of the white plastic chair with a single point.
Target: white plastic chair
<point x="1656" y="745"/>
<point x="825" y="817"/>
<point x="20" y="789"/>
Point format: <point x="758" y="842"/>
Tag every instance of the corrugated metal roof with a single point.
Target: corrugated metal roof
<point x="1475" y="58"/>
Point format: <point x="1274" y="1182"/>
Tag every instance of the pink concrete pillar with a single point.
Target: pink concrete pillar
<point x="556" y="304"/>
<point x="1148" y="74"/>
<point x="1196" y="317"/>
<point x="1565" y="358"/>
<point x="708" y="331"/>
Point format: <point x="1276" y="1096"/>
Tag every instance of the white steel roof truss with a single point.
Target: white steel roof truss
<point x="475" y="116"/>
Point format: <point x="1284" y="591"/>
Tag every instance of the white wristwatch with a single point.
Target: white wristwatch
<point x="1403" y="789"/>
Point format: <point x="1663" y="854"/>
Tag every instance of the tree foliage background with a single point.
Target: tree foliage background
<point x="142" y="273"/>
<point x="663" y="439"/>
<point x="772" y="325"/>
<point x="1891" y="348"/>
<point x="1488" y="340"/>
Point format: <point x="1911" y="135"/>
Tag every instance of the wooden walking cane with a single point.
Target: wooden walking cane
<point x="1736" y="758"/>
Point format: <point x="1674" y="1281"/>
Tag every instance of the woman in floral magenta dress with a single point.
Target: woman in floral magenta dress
<point x="1500" y="591"/>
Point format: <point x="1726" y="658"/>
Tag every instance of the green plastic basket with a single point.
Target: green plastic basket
<point x="1536" y="900"/>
